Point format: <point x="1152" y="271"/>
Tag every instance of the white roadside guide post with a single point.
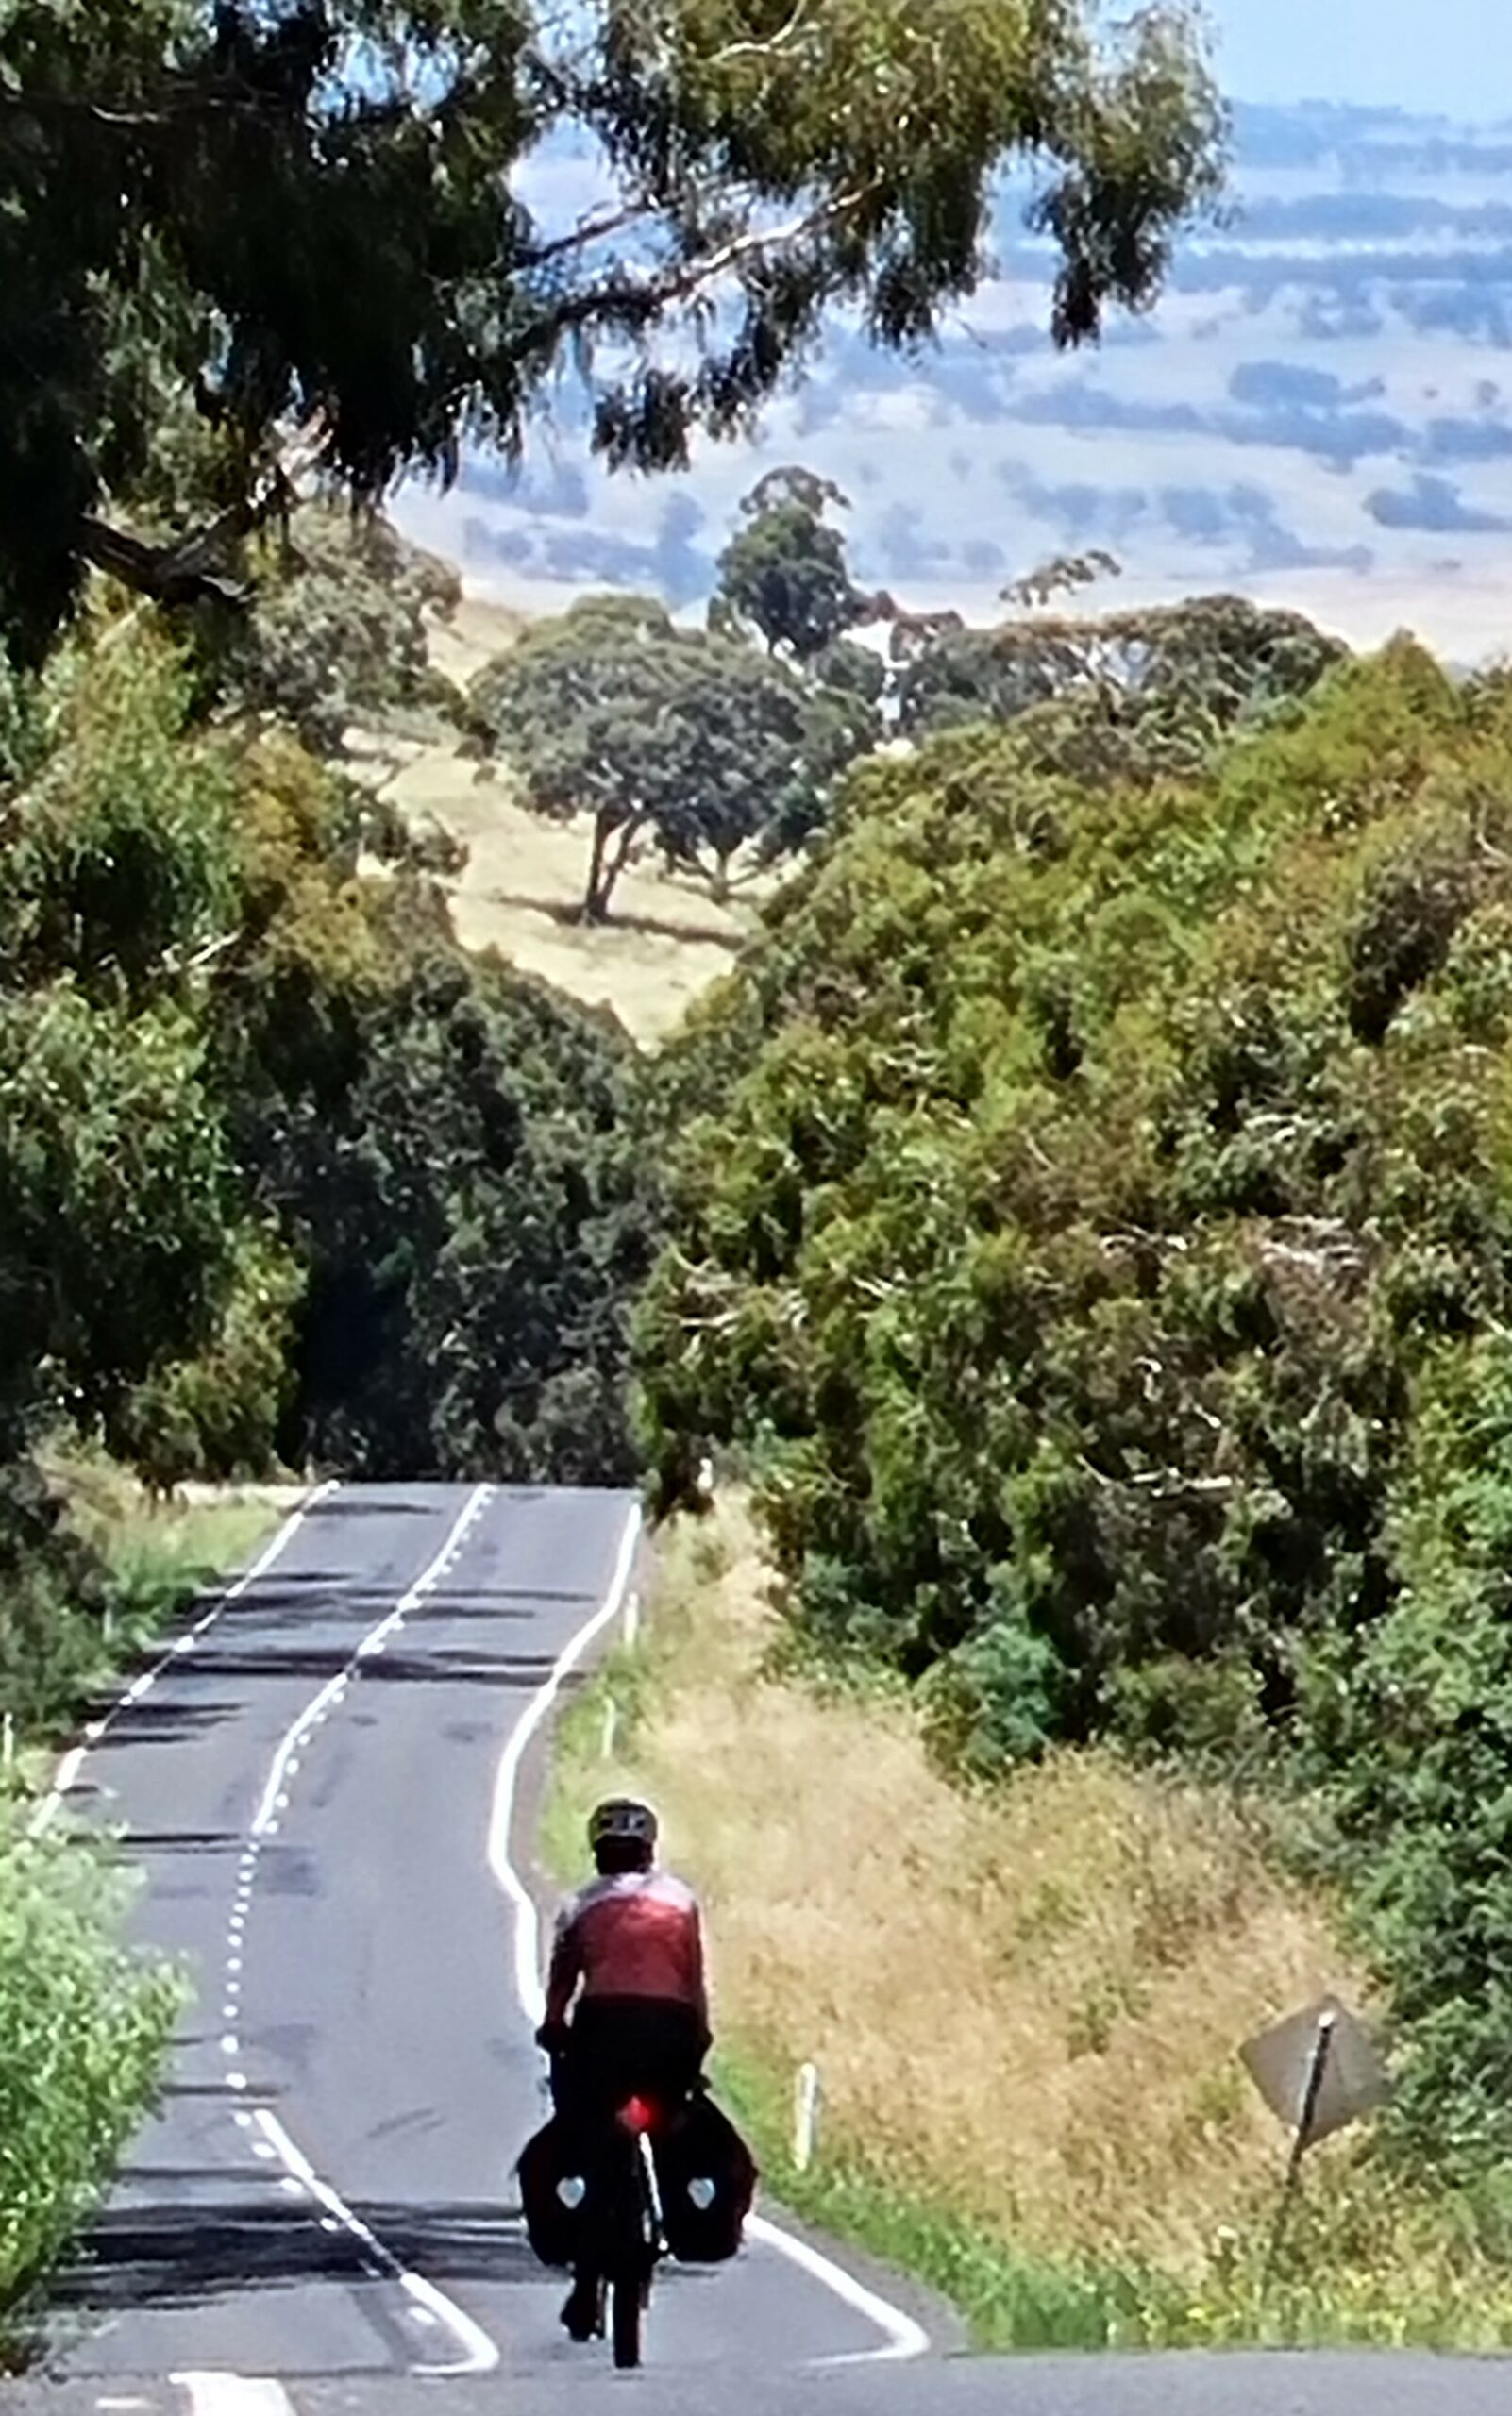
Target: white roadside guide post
<point x="1319" y="2070"/>
<point x="807" y="2098"/>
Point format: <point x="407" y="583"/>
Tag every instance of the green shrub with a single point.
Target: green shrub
<point x="83" y="2028"/>
<point x="1094" y="1227"/>
<point x="54" y="1596"/>
<point x="1414" y="1741"/>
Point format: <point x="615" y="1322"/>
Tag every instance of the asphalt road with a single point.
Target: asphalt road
<point x="327" y="1791"/>
<point x="312" y="1792"/>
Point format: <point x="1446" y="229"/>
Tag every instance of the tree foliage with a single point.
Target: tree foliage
<point x="450" y="1152"/>
<point x="1412" y="1726"/>
<point x="312" y="210"/>
<point x="1121" y="691"/>
<point x="688" y="738"/>
<point x="117" y="1223"/>
<point x="114" y="1199"/>
<point x="281" y="1169"/>
<point x="337" y="634"/>
<point x="784" y="572"/>
<point x="1097" y="1240"/>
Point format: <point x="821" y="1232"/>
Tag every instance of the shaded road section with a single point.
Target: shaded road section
<point x="328" y="2188"/>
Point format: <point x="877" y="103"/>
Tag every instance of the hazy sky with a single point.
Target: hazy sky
<point x="1454" y="56"/>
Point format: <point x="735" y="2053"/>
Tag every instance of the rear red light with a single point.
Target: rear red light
<point x="637" y="2116"/>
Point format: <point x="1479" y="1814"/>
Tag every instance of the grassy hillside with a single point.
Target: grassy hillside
<point x="666" y="943"/>
<point x="523" y="880"/>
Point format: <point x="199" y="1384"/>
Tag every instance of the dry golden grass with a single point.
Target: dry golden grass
<point x="666" y="944"/>
<point x="473" y="635"/>
<point x="1026" y="2004"/>
<point x="666" y="941"/>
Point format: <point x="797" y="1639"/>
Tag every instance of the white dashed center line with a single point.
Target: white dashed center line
<point x="427" y="2306"/>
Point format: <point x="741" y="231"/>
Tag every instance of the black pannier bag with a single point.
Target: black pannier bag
<point x="708" y="2179"/>
<point x="553" y="2193"/>
<point x="705" y="2171"/>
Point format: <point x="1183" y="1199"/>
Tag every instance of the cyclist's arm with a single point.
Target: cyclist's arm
<point x="700" y="1973"/>
<point x="566" y="1967"/>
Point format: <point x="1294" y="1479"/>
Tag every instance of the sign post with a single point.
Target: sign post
<point x="1319" y="2070"/>
<point x="1306" y="2116"/>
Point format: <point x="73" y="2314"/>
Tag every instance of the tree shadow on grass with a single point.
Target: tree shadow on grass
<point x="571" y="918"/>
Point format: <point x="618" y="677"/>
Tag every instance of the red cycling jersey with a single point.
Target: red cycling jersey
<point x="630" y="1934"/>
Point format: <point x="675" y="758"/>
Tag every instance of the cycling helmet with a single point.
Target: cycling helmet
<point x="622" y="1817"/>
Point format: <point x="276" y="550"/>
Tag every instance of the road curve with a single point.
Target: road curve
<point x="318" y="1791"/>
<point x="322" y="2220"/>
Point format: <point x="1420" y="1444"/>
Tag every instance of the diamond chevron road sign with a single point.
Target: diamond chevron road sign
<point x="1354" y="2079"/>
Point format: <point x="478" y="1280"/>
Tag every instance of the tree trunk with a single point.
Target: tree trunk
<point x="610" y="856"/>
<point x="596" y="897"/>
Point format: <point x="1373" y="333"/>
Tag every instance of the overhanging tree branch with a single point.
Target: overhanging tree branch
<point x="647" y="296"/>
<point x="181" y="100"/>
<point x="326" y="198"/>
<point x="588" y="230"/>
<point x="190" y="569"/>
<point x="801" y="23"/>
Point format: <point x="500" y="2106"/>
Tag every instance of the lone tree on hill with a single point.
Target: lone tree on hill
<point x="306" y="215"/>
<point x="695" y="741"/>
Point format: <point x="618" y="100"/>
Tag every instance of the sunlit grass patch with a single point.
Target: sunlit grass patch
<point x="1026" y="2004"/>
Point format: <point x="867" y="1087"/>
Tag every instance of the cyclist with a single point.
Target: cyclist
<point x="627" y="1967"/>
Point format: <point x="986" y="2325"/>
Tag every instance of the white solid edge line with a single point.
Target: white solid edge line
<point x="72" y="1761"/>
<point x="904" y="2339"/>
<point x="501" y="1821"/>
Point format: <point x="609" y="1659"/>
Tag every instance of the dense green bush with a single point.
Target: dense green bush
<point x="83" y="2025"/>
<point x="284" y="1171"/>
<point x="53" y="1602"/>
<point x="1097" y="1238"/>
<point x="1411" y="1731"/>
